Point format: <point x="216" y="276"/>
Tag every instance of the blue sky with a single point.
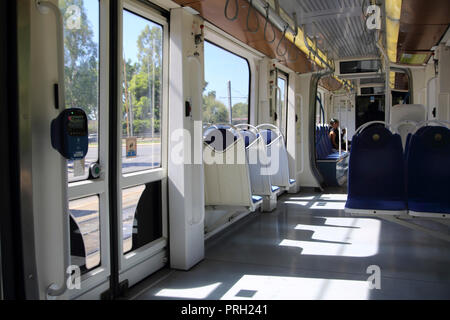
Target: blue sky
<point x="221" y="66"/>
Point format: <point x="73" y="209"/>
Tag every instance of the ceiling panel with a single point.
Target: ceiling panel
<point x="338" y="24"/>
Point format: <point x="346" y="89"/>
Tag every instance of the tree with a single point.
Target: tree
<point x="240" y="113"/>
<point x="81" y="61"/>
<point x="214" y="111"/>
<point x="145" y="82"/>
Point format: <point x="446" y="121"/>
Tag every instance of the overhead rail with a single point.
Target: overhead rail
<point x="279" y="19"/>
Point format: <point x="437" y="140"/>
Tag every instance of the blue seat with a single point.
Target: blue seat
<point x="332" y="165"/>
<point x="256" y="199"/>
<point x="275" y="188"/>
<point x="376" y="179"/>
<point x="220" y="138"/>
<point x="428" y="171"/>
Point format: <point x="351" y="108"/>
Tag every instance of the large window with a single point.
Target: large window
<point x="142" y="93"/>
<point x="81" y="57"/>
<point x="282" y="87"/>
<point x="226" y="94"/>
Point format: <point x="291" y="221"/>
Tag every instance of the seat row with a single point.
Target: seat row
<point x="332" y="164"/>
<point x="245" y="166"/>
<point x="385" y="178"/>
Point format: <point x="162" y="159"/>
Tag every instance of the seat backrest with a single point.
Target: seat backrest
<point x="249" y="137"/>
<point x="428" y="165"/>
<point x="257" y="160"/>
<point x="220" y="138"/>
<point x="405" y="116"/>
<point x="376" y="167"/>
<point x="227" y="176"/>
<point x="277" y="155"/>
<point x="323" y="142"/>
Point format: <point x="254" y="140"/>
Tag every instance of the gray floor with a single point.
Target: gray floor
<point x="310" y="249"/>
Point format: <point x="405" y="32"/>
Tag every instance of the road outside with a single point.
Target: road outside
<point x="148" y="156"/>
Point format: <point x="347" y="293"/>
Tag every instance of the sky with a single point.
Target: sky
<point x="221" y="66"/>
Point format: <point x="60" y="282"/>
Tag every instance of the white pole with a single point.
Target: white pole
<point x="230" y="103"/>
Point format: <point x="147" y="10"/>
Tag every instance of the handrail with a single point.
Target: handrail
<point x="313" y="51"/>
<point x="364" y="126"/>
<point x="54" y="290"/>
<point x="271" y="126"/>
<point x="424" y="123"/>
<point x="243" y="125"/>
<point x="232" y="144"/>
<point x="254" y="130"/>
<point x="321" y="109"/>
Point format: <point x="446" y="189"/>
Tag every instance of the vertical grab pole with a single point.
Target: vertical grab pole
<point x="340" y="143"/>
<point x="54" y="290"/>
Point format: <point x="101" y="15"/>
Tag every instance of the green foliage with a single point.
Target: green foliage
<point x="143" y="79"/>
<point x="214" y="111"/>
<point x="240" y="113"/>
<point x="81" y="62"/>
<point x="144" y="83"/>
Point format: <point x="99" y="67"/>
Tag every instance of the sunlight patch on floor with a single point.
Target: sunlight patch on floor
<point x="189" y="293"/>
<point x="296" y="288"/>
<point x="346" y="237"/>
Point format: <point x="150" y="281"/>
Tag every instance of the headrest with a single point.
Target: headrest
<point x="375" y="136"/>
<point x="220" y="139"/>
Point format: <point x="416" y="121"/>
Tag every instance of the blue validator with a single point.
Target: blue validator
<point x="69" y="133"/>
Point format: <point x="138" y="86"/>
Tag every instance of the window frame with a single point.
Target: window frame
<point x="84" y="188"/>
<point x="249" y="76"/>
<point x="143" y="177"/>
<point x="223" y="40"/>
<point x="280" y="74"/>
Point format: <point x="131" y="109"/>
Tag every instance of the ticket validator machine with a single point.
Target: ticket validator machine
<point x="70" y="134"/>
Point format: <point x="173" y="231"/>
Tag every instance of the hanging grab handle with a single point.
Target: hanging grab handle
<point x="283" y="37"/>
<point x="226" y="10"/>
<point x="267" y="7"/>
<point x="250" y="9"/>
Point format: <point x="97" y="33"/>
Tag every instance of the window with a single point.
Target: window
<point x="226" y="93"/>
<point x="281" y="102"/>
<point x="142" y="93"/>
<point x="85" y="233"/>
<point x="141" y="215"/>
<point x="81" y="57"/>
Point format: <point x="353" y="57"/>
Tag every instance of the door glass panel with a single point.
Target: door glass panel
<point x="85" y="233"/>
<point x="281" y="103"/>
<point x="81" y="57"/>
<point x="141" y="215"/>
<point x="142" y="93"/>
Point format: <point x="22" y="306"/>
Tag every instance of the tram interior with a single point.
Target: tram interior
<point x="226" y="150"/>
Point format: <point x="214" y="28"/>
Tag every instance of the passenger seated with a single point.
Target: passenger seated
<point x="334" y="135"/>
